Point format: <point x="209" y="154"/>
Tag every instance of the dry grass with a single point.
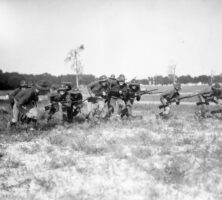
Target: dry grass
<point x="149" y="158"/>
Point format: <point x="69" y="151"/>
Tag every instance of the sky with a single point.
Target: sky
<point x="138" y="38"/>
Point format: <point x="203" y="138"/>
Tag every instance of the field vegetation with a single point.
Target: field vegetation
<point x="148" y="158"/>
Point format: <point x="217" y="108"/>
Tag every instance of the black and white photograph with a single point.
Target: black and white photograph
<point x="110" y="99"/>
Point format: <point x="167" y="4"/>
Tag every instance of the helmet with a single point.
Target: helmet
<point x="23" y="83"/>
<point x="42" y="85"/>
<point x="30" y="84"/>
<point x="67" y="85"/>
<point x="216" y="86"/>
<point x="112" y="76"/>
<point x="133" y="82"/>
<point x="54" y="87"/>
<point x="177" y="86"/>
<point x="103" y="78"/>
<point x="121" y="78"/>
<point x="62" y="88"/>
<point x="75" y="91"/>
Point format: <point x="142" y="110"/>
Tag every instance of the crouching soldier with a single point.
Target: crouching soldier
<point x="118" y="96"/>
<point x="64" y="100"/>
<point x="207" y="96"/>
<point x="54" y="98"/>
<point x="25" y="102"/>
<point x="98" y="91"/>
<point x="23" y="86"/>
<point x="73" y="104"/>
<point x="168" y="97"/>
<point x="133" y="93"/>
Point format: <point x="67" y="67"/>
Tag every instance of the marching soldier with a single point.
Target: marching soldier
<point x="24" y="103"/>
<point x="98" y="91"/>
<point x="23" y="86"/>
<point x="170" y="96"/>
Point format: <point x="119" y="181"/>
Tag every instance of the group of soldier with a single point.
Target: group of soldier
<point x="107" y="96"/>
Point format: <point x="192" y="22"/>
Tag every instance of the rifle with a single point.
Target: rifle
<point x="207" y="99"/>
<point x="177" y="100"/>
<point x="140" y="93"/>
<point x="216" y="111"/>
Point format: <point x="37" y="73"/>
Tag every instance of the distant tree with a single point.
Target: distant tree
<point x="172" y="71"/>
<point x="185" y="79"/>
<point x="76" y="65"/>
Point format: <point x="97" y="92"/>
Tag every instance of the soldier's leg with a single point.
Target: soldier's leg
<point x="163" y="101"/>
<point x="69" y="114"/>
<point x="92" y="109"/>
<point x="64" y="113"/>
<point x="120" y="106"/>
<point x="53" y="109"/>
<point x="15" y="113"/>
<point x="122" y="109"/>
<point x="166" y="109"/>
<point x="203" y="107"/>
<point x="111" y="106"/>
<point x="129" y="105"/>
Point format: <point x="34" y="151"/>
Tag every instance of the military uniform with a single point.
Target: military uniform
<point x="25" y="101"/>
<point x="118" y="97"/>
<point x="169" y="96"/>
<point x="63" y="99"/>
<point x="133" y="93"/>
<point x="99" y="89"/>
<point x="73" y="103"/>
<point x="23" y="85"/>
<point x="112" y="81"/>
<point x="54" y="98"/>
<point x="211" y="95"/>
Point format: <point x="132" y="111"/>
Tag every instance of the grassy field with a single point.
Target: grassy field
<point x="148" y="159"/>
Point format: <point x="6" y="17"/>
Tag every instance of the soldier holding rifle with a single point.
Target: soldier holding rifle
<point x="169" y="97"/>
<point x="98" y="91"/>
<point x="23" y="86"/>
<point x="118" y="96"/>
<point x="205" y="97"/>
<point x="25" y="102"/>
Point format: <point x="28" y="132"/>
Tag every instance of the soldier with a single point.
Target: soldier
<point x="118" y="95"/>
<point x="63" y="98"/>
<point x="23" y="86"/>
<point x="133" y="93"/>
<point x="54" y="98"/>
<point x="25" y="101"/>
<point x="112" y="80"/>
<point x="30" y="84"/>
<point x="73" y="103"/>
<point x="98" y="90"/>
<point x="168" y="97"/>
<point x="211" y="95"/>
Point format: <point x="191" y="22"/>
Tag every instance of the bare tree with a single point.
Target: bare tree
<point x="76" y="64"/>
<point x="172" y="71"/>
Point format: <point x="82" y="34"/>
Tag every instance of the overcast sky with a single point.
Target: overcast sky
<point x="135" y="37"/>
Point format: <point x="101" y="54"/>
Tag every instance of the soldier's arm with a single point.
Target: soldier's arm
<point x="89" y="88"/>
<point x="23" y="100"/>
<point x="68" y="101"/>
<point x="14" y="93"/>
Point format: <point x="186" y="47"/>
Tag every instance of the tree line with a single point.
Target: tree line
<point x="11" y="80"/>
<point x="185" y="79"/>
